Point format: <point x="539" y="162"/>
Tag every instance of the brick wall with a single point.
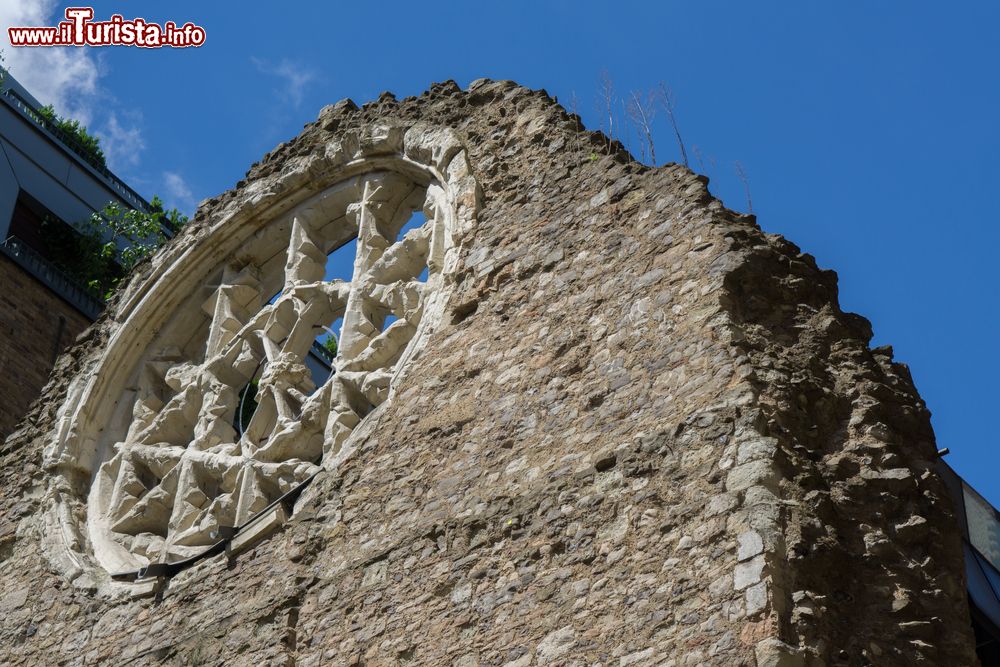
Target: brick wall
<point x="35" y="326"/>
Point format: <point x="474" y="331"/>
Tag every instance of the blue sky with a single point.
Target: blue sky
<point x="868" y="131"/>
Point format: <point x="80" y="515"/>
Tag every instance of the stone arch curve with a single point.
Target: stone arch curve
<point x="149" y="463"/>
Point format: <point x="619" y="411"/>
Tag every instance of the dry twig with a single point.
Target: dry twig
<point x="667" y="99"/>
<point x="642" y="111"/>
<point x="607" y="99"/>
<point x="742" y="174"/>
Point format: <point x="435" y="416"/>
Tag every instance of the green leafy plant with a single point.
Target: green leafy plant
<point x="85" y="142"/>
<point x="129" y="236"/>
<point x="108" y="244"/>
<point x="331" y="345"/>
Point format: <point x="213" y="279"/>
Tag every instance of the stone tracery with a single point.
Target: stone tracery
<point x="180" y="466"/>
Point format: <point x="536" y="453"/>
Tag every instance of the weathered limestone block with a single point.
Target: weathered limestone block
<point x="582" y="415"/>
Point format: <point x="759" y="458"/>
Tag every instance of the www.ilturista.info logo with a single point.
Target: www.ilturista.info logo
<point x="79" y="29"/>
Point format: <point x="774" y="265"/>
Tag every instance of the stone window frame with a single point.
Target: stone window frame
<point x="97" y="410"/>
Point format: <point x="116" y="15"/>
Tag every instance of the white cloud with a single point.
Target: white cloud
<point x="178" y="193"/>
<point x="68" y="79"/>
<point x="122" y="145"/>
<point x="295" y="77"/>
<point x="65" y="77"/>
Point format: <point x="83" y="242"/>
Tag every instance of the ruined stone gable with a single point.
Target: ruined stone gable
<point x="634" y="429"/>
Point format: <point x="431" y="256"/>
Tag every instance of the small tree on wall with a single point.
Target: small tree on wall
<point x="641" y="110"/>
<point x="637" y="127"/>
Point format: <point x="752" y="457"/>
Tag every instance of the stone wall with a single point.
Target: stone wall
<point x="646" y="435"/>
<point x="35" y="327"/>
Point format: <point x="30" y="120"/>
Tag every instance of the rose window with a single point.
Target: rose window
<point x="213" y="407"/>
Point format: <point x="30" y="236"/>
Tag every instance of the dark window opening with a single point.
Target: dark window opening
<point x="987" y="639"/>
<point x="74" y="254"/>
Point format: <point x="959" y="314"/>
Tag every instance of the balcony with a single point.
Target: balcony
<point x="27" y="111"/>
<point x="66" y="287"/>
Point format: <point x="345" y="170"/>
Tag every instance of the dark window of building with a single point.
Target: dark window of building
<point x="987" y="641"/>
<point x="26" y="223"/>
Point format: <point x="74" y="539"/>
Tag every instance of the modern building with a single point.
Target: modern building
<point x="980" y="524"/>
<point x="45" y="175"/>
